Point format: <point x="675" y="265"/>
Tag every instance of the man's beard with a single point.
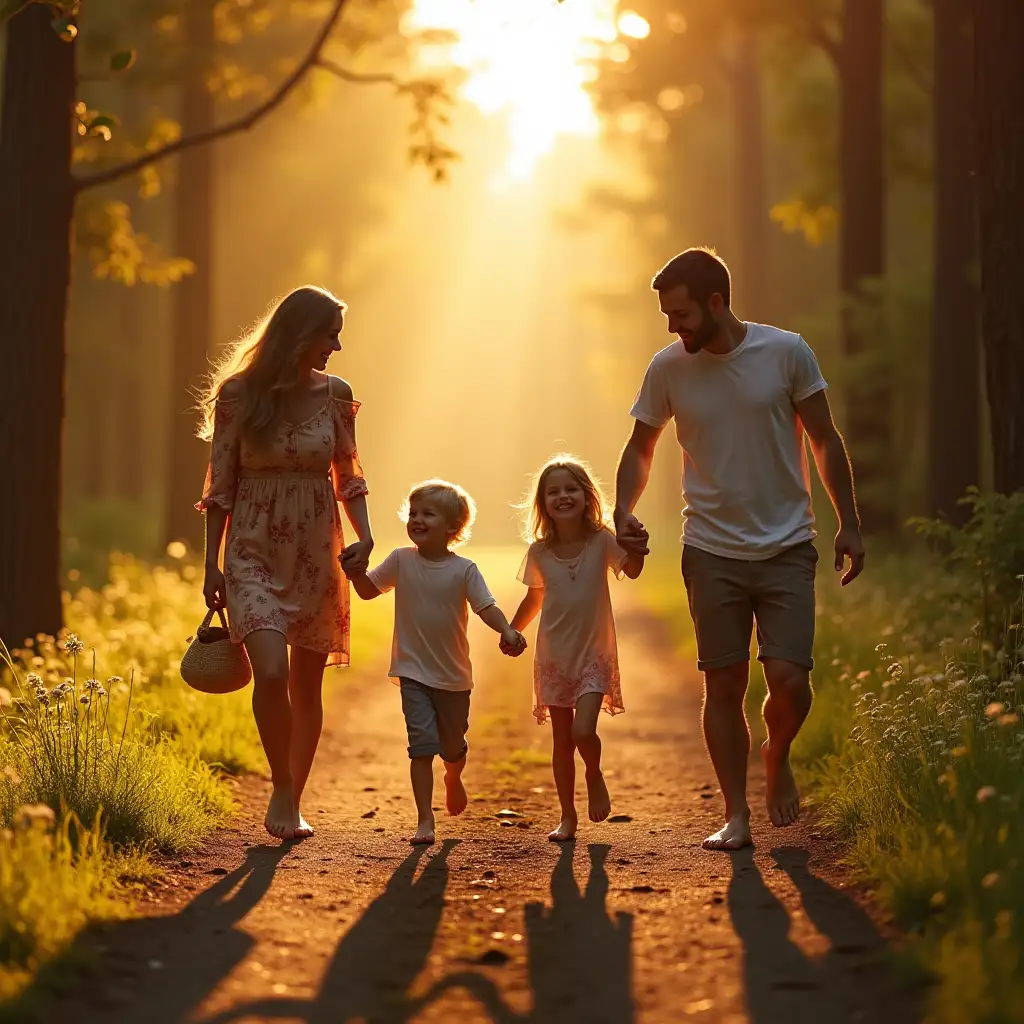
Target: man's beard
<point x="704" y="334"/>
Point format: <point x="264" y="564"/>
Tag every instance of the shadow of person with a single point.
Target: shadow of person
<point x="784" y="983"/>
<point x="579" y="959"/>
<point x="378" y="959"/>
<point x="157" y="969"/>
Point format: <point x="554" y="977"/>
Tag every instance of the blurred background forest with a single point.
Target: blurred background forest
<point x="493" y="214"/>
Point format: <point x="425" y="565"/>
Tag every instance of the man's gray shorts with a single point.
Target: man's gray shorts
<point x="727" y="596"/>
<point x="437" y="720"/>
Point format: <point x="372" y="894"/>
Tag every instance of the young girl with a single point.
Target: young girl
<point x="283" y="456"/>
<point x="430" y="651"/>
<point x="576" y="669"/>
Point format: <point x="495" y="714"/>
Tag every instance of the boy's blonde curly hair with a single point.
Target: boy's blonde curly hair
<point x="455" y="503"/>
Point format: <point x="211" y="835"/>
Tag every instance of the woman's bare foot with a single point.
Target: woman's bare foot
<point x="566" y="830"/>
<point x="424" y="834"/>
<point x="734" y="836"/>
<point x="282" y="819"/>
<point x="303" y="830"/>
<point x="600" y="803"/>
<point x="781" y="793"/>
<point x="456" y="798"/>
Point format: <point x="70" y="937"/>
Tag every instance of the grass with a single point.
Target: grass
<point x="915" y="750"/>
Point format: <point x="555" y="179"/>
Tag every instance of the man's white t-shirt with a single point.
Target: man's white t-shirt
<point x="746" y="482"/>
<point x="430" y="643"/>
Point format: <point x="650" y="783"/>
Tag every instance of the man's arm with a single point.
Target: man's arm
<point x="833" y="464"/>
<point x="630" y="480"/>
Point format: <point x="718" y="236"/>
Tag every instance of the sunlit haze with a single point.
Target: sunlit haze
<point x="529" y="60"/>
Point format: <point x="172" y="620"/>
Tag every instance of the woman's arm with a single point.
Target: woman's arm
<point x="528" y="608"/>
<point x="213" y="578"/>
<point x="356" y="557"/>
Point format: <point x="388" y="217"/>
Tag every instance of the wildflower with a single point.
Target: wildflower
<point x="93" y="684"/>
<point x="995" y="708"/>
<point x="981" y="679"/>
<point x="37" y="662"/>
<point x="991" y="879"/>
<point x="84" y="699"/>
<point x="73" y="646"/>
<point x="1011" y="718"/>
<point x="880" y="647"/>
<point x="986" y="793"/>
<point x="30" y="814"/>
<point x="863" y="674"/>
<point x="114" y="680"/>
<point x="33" y="680"/>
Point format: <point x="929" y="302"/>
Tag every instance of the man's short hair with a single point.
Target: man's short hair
<point x="703" y="273"/>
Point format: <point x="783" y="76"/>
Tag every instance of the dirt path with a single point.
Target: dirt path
<point x="633" y="923"/>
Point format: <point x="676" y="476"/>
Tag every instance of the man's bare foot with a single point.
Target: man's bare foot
<point x="781" y="793"/>
<point x="424" y="834"/>
<point x="455" y="793"/>
<point x="600" y="803"/>
<point x="734" y="836"/>
<point x="566" y="830"/>
<point x="303" y="830"/>
<point x="282" y="819"/>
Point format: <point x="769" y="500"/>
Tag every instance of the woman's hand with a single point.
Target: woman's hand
<point x="213" y="588"/>
<point x="356" y="557"/>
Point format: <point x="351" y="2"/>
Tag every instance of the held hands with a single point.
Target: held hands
<point x="849" y="545"/>
<point x="512" y="642"/>
<point x="630" y="534"/>
<point x="355" y="559"/>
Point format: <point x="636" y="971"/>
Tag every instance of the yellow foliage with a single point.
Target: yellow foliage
<point x="817" y="224"/>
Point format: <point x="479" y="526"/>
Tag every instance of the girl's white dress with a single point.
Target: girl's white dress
<point x="576" y="648"/>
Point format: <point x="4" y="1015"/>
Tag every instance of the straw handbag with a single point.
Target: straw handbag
<point x="212" y="663"/>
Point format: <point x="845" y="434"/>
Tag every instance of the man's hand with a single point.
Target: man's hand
<point x="630" y="534"/>
<point x="849" y="545"/>
<point x="355" y="558"/>
<point x="512" y="643"/>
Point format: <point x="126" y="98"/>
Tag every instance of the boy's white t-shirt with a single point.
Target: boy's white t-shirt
<point x="431" y="599"/>
<point x="746" y="481"/>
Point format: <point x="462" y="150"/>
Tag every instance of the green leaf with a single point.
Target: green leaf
<point x="102" y="121"/>
<point x="65" y="28"/>
<point x="122" y="61"/>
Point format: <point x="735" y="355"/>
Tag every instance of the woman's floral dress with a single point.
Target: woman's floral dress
<point x="284" y="529"/>
<point x="576" y="648"/>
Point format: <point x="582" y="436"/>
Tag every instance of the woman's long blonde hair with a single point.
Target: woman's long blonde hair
<point x="539" y="525"/>
<point x="266" y="361"/>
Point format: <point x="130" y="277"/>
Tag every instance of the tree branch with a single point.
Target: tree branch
<point x="312" y="58"/>
<point x="821" y="36"/>
<point x="357" y="77"/>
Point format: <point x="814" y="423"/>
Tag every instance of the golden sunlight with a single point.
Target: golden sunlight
<point x="530" y="60"/>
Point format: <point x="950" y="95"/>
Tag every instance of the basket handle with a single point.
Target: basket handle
<point x="209" y="618"/>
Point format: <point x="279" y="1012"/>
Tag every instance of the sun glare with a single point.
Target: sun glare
<point x="530" y="60"/>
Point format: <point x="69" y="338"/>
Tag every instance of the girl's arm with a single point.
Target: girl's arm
<point x="528" y="608"/>
<point x="633" y="566"/>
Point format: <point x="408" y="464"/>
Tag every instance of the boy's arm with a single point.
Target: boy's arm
<point x="494" y="617"/>
<point x="528" y="608"/>
<point x="363" y="585"/>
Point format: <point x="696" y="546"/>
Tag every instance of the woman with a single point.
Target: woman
<point x="283" y="455"/>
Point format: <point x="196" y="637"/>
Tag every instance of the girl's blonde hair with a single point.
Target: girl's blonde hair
<point x="455" y="503"/>
<point x="539" y="525"/>
<point x="266" y="361"/>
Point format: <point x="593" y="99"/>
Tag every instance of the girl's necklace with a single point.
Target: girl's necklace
<point x="572" y="565"/>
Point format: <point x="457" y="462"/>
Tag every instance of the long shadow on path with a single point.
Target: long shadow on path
<point x="849" y="983"/>
<point x="377" y="960"/>
<point x="580" y="959"/>
<point x="174" y="978"/>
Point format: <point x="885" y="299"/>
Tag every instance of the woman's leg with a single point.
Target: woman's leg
<point x="305" y="688"/>
<point x="563" y="766"/>
<point x="588" y="743"/>
<point x="268" y="654"/>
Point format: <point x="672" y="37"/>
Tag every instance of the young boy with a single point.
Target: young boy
<point x="430" y="650"/>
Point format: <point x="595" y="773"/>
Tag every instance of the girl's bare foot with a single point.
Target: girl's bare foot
<point x="303" y="830"/>
<point x="734" y="836"/>
<point x="456" y="798"/>
<point x="566" y="830"/>
<point x="781" y="794"/>
<point x="424" y="834"/>
<point x="282" y="819"/>
<point x="600" y="803"/>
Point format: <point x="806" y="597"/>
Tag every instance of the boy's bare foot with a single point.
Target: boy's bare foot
<point x="781" y="793"/>
<point x="456" y="798"/>
<point x="303" y="830"/>
<point x="282" y="819"/>
<point x="600" y="803"/>
<point x="734" y="836"/>
<point x="424" y="834"/>
<point x="566" y="830"/>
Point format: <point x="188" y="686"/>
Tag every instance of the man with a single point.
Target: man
<point x="742" y="395"/>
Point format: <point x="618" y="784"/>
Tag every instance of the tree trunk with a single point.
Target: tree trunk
<point x="868" y="420"/>
<point x="751" y="207"/>
<point x="953" y="413"/>
<point x="999" y="100"/>
<point x="193" y="313"/>
<point x="36" y="208"/>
